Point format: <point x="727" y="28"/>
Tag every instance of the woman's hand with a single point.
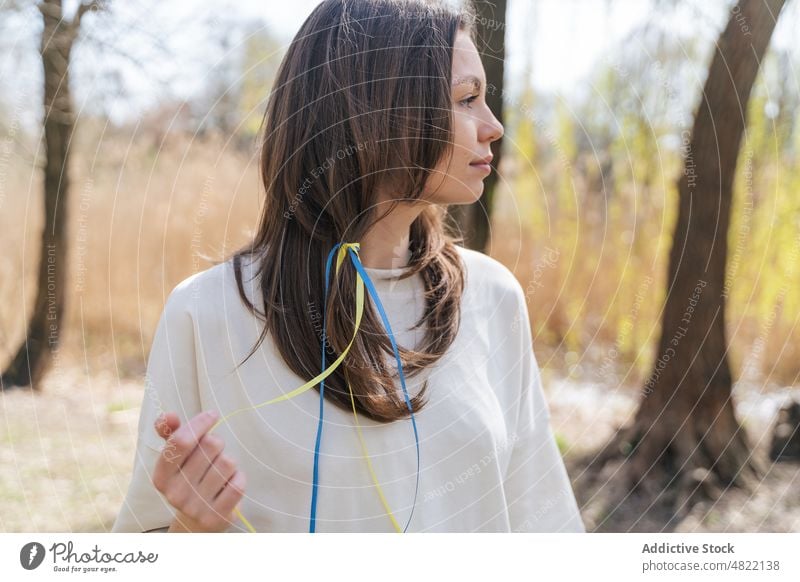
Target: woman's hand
<point x="194" y="476"/>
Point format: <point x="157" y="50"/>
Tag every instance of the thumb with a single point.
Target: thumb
<point x="166" y="424"/>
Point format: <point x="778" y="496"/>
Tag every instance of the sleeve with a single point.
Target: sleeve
<point x="171" y="385"/>
<point x="538" y="490"/>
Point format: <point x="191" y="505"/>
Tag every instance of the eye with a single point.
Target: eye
<point x="468" y="101"/>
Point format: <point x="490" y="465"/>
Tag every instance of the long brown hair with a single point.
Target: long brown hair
<point x="362" y="99"/>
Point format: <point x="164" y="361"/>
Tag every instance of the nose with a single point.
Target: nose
<point x="494" y="130"/>
<point x="500" y="130"/>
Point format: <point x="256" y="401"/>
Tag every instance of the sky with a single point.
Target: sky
<point x="561" y="41"/>
<point x="566" y="20"/>
<point x="568" y="35"/>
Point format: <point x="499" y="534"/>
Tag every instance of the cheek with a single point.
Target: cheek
<point x="463" y="135"/>
<point x="455" y="182"/>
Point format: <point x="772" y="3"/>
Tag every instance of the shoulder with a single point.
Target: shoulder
<point x="489" y="280"/>
<point x="210" y="291"/>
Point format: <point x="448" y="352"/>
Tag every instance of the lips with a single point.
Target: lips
<point x="482" y="161"/>
<point x="483" y="164"/>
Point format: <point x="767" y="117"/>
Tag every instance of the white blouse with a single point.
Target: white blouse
<point x="488" y="458"/>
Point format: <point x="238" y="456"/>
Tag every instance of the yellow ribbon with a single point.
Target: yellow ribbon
<point x="316" y="380"/>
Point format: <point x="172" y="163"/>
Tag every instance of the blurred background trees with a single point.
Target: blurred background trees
<point x="686" y="441"/>
<point x="599" y="101"/>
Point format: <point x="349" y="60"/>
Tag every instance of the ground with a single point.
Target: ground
<point x="584" y="416"/>
<point x="67" y="454"/>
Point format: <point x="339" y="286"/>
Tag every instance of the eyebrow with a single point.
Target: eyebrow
<point x="470" y="79"/>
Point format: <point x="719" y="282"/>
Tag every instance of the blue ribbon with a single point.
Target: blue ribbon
<point x="371" y="289"/>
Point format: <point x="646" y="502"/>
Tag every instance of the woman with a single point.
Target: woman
<point x="377" y="121"/>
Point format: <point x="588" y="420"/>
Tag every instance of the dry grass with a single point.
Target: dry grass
<point x="67" y="453"/>
<point x="142" y="214"/>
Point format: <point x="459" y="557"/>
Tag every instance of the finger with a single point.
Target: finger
<point x="183" y="441"/>
<point x="231" y="494"/>
<point x="221" y="470"/>
<point x="199" y="462"/>
<point x="199" y="500"/>
<point x="166" y="424"/>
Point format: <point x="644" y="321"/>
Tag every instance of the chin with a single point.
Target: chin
<point x="462" y="197"/>
<point x="473" y="196"/>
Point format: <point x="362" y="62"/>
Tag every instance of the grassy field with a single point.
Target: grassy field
<point x="144" y="212"/>
<point x="67" y="453"/>
<point x="67" y="456"/>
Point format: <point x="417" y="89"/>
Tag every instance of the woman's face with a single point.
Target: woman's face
<point x="458" y="178"/>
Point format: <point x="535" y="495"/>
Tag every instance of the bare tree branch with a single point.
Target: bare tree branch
<point x="93" y="5"/>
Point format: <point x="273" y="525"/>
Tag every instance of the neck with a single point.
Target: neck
<point x="386" y="245"/>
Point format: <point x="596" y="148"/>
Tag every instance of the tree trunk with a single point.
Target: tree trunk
<point x="474" y="220"/>
<point x="39" y="349"/>
<point x="686" y="431"/>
